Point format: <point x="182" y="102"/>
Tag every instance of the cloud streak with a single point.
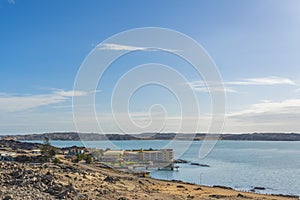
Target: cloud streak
<point x="228" y="86"/>
<point x="265" y="116"/>
<point x="14" y="103"/>
<point x="271" y="80"/>
<point x="70" y="93"/>
<point x="271" y="107"/>
<point x="200" y="86"/>
<point x="120" y="47"/>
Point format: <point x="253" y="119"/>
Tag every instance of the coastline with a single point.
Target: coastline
<point x="230" y="188"/>
<point x="81" y="181"/>
<point x="156" y="136"/>
<point x="191" y="174"/>
<point x="188" y="188"/>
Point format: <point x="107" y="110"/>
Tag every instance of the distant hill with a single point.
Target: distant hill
<point x="156" y="136"/>
<point x="15" y="145"/>
<point x="69" y="136"/>
<point x="263" y="136"/>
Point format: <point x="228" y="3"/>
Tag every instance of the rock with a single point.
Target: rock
<point x="223" y="187"/>
<point x="240" y="195"/>
<point x="259" y="188"/>
<point x="8" y="197"/>
<point x="67" y="175"/>
<point x="47" y="179"/>
<point x="111" y="179"/>
<point x="198" y="188"/>
<point x="123" y="198"/>
<point x="140" y="182"/>
<point x="180" y="161"/>
<point x="217" y="196"/>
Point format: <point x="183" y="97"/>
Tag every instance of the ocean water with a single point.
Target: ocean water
<point x="241" y="165"/>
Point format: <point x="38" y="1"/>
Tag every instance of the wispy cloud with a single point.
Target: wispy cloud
<point x="265" y="116"/>
<point x="120" y="47"/>
<point x="229" y="86"/>
<point x="200" y="86"/>
<point x="272" y="109"/>
<point x="13" y="103"/>
<point x="70" y="93"/>
<point x="270" y="80"/>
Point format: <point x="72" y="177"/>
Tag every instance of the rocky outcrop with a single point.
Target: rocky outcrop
<point x="19" y="145"/>
<point x="23" y="181"/>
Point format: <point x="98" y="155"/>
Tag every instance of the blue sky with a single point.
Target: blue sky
<point x="255" y="45"/>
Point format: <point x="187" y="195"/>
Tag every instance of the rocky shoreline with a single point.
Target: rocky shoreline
<point x="68" y="180"/>
<point x="80" y="181"/>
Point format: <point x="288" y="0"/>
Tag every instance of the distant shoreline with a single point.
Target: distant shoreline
<point x="73" y="136"/>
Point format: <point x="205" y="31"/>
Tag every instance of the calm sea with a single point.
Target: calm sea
<point x="238" y="164"/>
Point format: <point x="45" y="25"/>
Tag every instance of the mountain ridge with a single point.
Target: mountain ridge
<point x="156" y="136"/>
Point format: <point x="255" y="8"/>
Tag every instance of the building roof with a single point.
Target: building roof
<point x="113" y="152"/>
